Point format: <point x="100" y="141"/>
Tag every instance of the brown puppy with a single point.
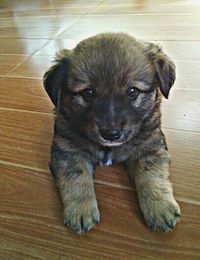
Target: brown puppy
<point x="107" y="94"/>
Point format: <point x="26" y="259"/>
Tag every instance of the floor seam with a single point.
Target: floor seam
<point x="78" y="19"/>
<point x="17" y="66"/>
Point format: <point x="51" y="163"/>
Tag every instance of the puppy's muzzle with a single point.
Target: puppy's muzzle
<point x="110" y="134"/>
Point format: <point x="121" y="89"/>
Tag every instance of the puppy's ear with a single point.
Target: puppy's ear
<point x="165" y="68"/>
<point x="56" y="76"/>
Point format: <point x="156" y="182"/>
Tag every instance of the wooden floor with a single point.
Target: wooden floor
<point x="31" y="222"/>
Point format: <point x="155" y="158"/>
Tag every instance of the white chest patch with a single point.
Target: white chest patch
<point x="107" y="160"/>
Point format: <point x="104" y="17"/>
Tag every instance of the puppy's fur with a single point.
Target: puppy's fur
<point x="107" y="93"/>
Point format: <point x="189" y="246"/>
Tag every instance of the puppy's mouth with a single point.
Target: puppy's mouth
<point x="110" y="143"/>
<point x="111" y="138"/>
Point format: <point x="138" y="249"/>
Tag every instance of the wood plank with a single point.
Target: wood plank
<point x="26" y="5"/>
<point x="20" y="46"/>
<point x="50" y="21"/>
<point x="187" y="72"/>
<point x="35" y="27"/>
<point x="184" y="150"/>
<point x="34" y="67"/>
<point x="187" y="51"/>
<point x="27" y="137"/>
<point x="30" y="147"/>
<point x="52" y="10"/>
<point x="81" y="32"/>
<point x="30" y="32"/>
<point x="79" y="10"/>
<point x="177" y="50"/>
<point x="31" y="213"/>
<point x="25" y="94"/>
<point x="147" y="27"/>
<point x="55" y="45"/>
<point x="150" y="7"/>
<point x="155" y="2"/>
<point x="145" y="9"/>
<point x="9" y="62"/>
<point x="181" y="111"/>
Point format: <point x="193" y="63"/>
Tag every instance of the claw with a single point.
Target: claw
<point x="86" y="229"/>
<point x="66" y="222"/>
<point x="96" y="221"/>
<point x="78" y="230"/>
<point x="163" y="229"/>
<point x="171" y="225"/>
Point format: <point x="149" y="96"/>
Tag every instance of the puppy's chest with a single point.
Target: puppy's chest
<point x="104" y="157"/>
<point x="108" y="156"/>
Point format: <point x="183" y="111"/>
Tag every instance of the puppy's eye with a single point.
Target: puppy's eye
<point x="88" y="94"/>
<point x="132" y="92"/>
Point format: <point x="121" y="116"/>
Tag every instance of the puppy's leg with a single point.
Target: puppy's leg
<point x="154" y="189"/>
<point x="74" y="179"/>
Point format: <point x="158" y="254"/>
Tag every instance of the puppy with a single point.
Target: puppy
<point x="107" y="93"/>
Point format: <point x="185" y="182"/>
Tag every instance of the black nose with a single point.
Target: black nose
<point x="110" y="135"/>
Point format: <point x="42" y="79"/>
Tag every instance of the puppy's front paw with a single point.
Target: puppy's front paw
<point x="161" y="214"/>
<point x="81" y="216"/>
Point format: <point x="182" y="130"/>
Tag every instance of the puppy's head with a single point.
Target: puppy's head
<point x="109" y="85"/>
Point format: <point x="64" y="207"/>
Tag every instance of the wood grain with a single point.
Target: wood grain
<point x="187" y="72"/>
<point x="184" y="106"/>
<point x="26" y="22"/>
<point x="21" y="46"/>
<point x="148" y="7"/>
<point x="30" y="147"/>
<point x="35" y="27"/>
<point x="60" y="9"/>
<point x="178" y="3"/>
<point x="31" y="220"/>
<point x="30" y="91"/>
<point x="21" y="143"/>
<point x="26" y="218"/>
<point x="29" y="32"/>
<point x="34" y="67"/>
<point x="25" y="5"/>
<point x="145" y="9"/>
<point x="8" y="63"/>
<point x="149" y="27"/>
<point x="177" y="50"/>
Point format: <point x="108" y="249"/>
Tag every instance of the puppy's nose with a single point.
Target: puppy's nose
<point x="110" y="135"/>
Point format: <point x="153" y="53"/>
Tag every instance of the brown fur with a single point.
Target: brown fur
<point x="107" y="94"/>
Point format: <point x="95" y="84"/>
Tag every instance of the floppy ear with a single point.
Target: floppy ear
<point x="165" y="68"/>
<point x="56" y="76"/>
